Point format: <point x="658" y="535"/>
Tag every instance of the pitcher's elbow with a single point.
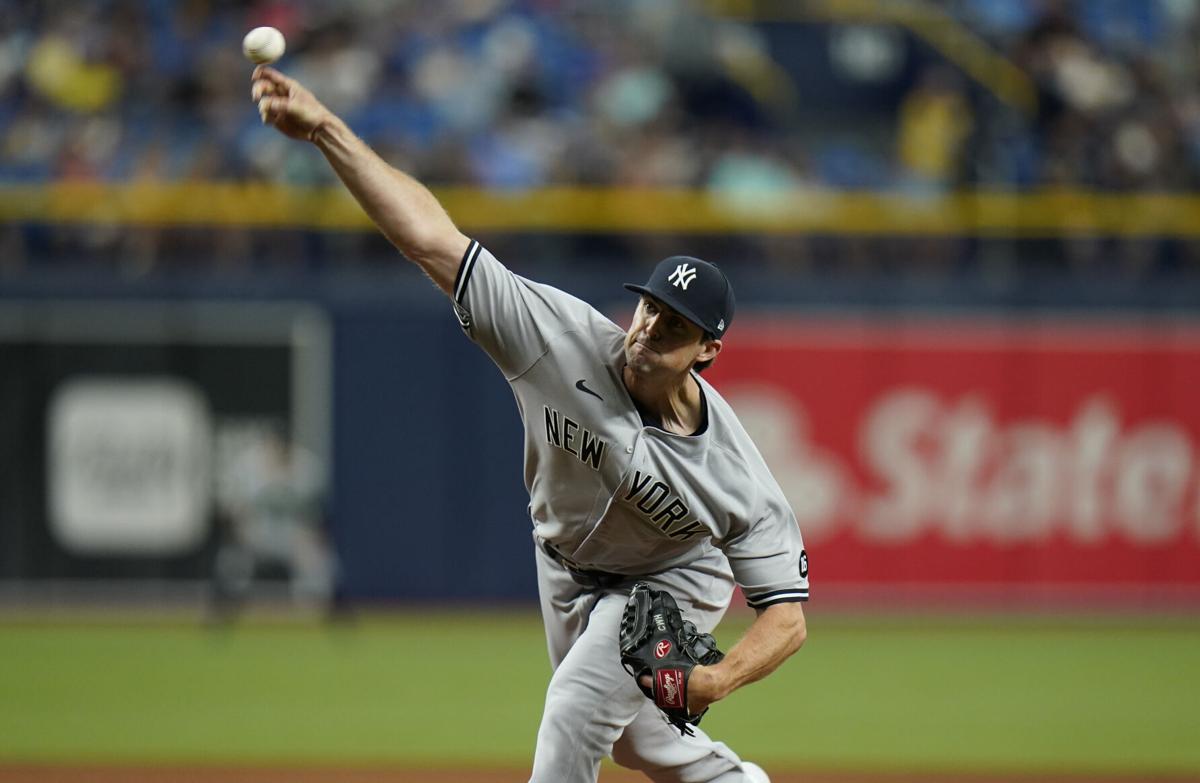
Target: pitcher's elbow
<point x="794" y="625"/>
<point x="800" y="634"/>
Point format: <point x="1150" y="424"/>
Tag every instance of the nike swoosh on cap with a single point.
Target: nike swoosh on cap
<point x="579" y="385"/>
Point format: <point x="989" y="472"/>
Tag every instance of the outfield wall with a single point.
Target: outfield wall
<point x="1001" y="453"/>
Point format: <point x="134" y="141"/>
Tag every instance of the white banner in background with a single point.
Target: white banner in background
<point x="129" y="466"/>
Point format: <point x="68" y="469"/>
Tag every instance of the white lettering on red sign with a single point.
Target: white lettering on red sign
<point x="928" y="463"/>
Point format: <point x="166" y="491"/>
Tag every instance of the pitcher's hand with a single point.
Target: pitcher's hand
<point x="286" y="104"/>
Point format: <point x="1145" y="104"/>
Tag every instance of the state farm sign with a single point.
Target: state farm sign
<point x="966" y="451"/>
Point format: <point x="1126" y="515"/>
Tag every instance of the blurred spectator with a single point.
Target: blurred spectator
<point x="935" y="119"/>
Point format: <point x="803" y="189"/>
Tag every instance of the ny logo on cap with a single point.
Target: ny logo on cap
<point x="683" y="275"/>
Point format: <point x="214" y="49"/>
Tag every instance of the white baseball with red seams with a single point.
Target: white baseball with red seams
<point x="263" y="45"/>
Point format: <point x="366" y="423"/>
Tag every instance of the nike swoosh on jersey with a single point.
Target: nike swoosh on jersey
<point x="579" y="385"/>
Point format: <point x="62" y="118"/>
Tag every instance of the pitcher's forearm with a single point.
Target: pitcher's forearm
<point x="777" y="633"/>
<point x="403" y="209"/>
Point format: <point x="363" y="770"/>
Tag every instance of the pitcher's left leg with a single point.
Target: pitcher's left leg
<point x="589" y="703"/>
<point x="655" y="747"/>
<point x="652" y="745"/>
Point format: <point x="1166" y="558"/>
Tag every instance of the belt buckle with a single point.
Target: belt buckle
<point x="560" y="558"/>
<point x="591" y="579"/>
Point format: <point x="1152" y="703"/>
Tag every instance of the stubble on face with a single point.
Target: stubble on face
<point x="655" y="338"/>
<point x="639" y="356"/>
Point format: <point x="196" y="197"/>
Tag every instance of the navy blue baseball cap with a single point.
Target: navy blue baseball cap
<point x="694" y="288"/>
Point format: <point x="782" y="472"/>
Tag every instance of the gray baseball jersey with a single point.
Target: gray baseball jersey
<point x="607" y="491"/>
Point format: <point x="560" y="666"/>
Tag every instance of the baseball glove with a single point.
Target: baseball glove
<point x="657" y="642"/>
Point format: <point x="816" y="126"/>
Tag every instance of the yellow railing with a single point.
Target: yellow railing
<point x="987" y="213"/>
<point x="925" y="20"/>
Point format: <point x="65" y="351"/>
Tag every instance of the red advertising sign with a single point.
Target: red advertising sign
<point x="966" y="451"/>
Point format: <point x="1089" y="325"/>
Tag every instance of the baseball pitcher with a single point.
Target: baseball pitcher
<point x="649" y="502"/>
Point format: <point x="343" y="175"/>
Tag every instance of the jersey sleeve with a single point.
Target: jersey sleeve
<point x="768" y="558"/>
<point x="513" y="319"/>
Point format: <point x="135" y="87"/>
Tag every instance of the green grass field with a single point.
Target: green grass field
<point x="985" y="694"/>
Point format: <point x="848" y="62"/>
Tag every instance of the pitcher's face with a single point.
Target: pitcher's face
<point x="660" y="340"/>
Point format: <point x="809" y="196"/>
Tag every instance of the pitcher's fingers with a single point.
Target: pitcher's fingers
<point x="269" y="108"/>
<point x="260" y="88"/>
<point x="282" y="83"/>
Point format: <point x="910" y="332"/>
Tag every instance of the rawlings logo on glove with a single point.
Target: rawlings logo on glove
<point x="657" y="643"/>
<point x="668" y="692"/>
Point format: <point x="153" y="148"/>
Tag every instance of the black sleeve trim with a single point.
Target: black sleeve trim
<point x="790" y="595"/>
<point x="464" y="271"/>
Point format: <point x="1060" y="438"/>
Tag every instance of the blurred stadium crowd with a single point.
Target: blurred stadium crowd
<point x="515" y="94"/>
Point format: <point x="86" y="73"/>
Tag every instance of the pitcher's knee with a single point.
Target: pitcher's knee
<point x="573" y="725"/>
<point x="640" y="750"/>
<point x="625" y="753"/>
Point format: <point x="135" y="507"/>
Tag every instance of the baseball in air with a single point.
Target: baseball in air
<point x="263" y="45"/>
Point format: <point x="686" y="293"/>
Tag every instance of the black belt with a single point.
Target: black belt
<point x="585" y="577"/>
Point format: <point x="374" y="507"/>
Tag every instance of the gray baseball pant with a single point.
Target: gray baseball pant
<point x="593" y="707"/>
